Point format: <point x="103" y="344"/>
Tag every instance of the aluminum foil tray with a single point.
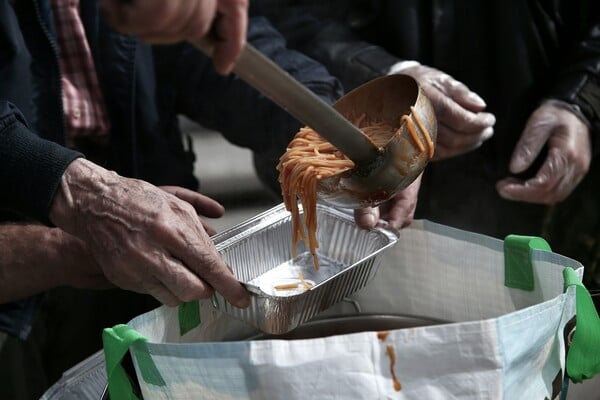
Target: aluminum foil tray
<point x="259" y="251"/>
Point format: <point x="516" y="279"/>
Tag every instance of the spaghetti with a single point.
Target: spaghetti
<point x="310" y="158"/>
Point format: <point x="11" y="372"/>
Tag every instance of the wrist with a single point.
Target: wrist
<point x="82" y="183"/>
<point x="32" y="261"/>
<point x="57" y="258"/>
<point x="400" y="66"/>
<point x="573" y="108"/>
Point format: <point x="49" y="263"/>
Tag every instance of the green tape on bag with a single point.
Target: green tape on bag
<point x="518" y="269"/>
<point x="117" y="341"/>
<point x="189" y="316"/>
<point x="583" y="358"/>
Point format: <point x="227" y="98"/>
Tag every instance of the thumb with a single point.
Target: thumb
<point x="535" y="135"/>
<point x="366" y="217"/>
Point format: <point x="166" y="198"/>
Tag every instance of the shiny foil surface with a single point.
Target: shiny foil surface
<point x="259" y="251"/>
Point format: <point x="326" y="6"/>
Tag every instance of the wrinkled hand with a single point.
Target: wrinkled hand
<point x="462" y="124"/>
<point x="145" y="239"/>
<point x="398" y="211"/>
<point x="568" y="160"/>
<point x="204" y="206"/>
<point x="170" y="21"/>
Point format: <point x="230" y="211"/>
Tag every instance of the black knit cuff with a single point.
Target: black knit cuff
<point x="30" y="169"/>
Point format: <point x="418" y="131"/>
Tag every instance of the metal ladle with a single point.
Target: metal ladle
<point x="385" y="99"/>
<point x="377" y="176"/>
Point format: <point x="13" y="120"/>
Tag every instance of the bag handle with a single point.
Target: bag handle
<point x="518" y="268"/>
<point x="583" y="358"/>
<point x="117" y="341"/>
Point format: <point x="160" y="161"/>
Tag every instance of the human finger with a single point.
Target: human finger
<point x="451" y="143"/>
<point x="454" y="103"/>
<point x="159" y="21"/>
<point x="160" y="292"/>
<point x="191" y="21"/>
<point x="463" y="96"/>
<point x="210" y="230"/>
<point x="200" y="256"/>
<point x="230" y="26"/>
<point x="399" y="211"/>
<point x="176" y="277"/>
<point x="536" y="133"/>
<point x="530" y="191"/>
<point x="453" y="115"/>
<point x="203" y="205"/>
<point x="367" y="217"/>
<point x="184" y="237"/>
<point x="540" y="189"/>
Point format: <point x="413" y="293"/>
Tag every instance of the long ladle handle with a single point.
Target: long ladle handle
<point x="279" y="86"/>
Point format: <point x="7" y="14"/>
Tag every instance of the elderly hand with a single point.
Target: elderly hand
<point x="398" y="211"/>
<point x="144" y="239"/>
<point x="569" y="156"/>
<point x="204" y="206"/>
<point x="170" y="21"/>
<point x="462" y="124"/>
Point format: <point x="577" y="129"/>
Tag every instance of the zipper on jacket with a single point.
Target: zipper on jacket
<point x="55" y="51"/>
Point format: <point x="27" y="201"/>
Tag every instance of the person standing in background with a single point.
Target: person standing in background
<point x="516" y="82"/>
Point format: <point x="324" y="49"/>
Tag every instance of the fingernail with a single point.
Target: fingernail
<point x="518" y="164"/>
<point x="490" y="119"/>
<point x="505" y="195"/>
<point x="477" y="101"/>
<point x="502" y="191"/>
<point x="369" y="219"/>
<point x="487" y="133"/>
<point x="244" y="303"/>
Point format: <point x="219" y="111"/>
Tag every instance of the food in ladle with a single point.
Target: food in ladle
<point x="310" y="158"/>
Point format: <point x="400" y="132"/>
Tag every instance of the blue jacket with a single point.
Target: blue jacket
<point x="145" y="88"/>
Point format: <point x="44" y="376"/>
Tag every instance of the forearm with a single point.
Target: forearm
<point x="33" y="259"/>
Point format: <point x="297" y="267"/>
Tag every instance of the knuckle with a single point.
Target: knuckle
<point x="442" y="111"/>
<point x="212" y="267"/>
<point x="190" y="294"/>
<point x="190" y="290"/>
<point x="206" y="293"/>
<point x="125" y="278"/>
<point x="169" y="301"/>
<point x="182" y="209"/>
<point x="545" y="185"/>
<point x="161" y="226"/>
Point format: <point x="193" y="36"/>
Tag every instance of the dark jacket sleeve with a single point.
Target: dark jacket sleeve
<point x="578" y="80"/>
<point x="331" y="42"/>
<point x="243" y="115"/>
<point x="30" y="167"/>
<point x="30" y="171"/>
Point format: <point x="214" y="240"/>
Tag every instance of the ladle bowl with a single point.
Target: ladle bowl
<point x="384" y="99"/>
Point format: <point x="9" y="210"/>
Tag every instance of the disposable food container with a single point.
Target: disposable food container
<point x="259" y="251"/>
